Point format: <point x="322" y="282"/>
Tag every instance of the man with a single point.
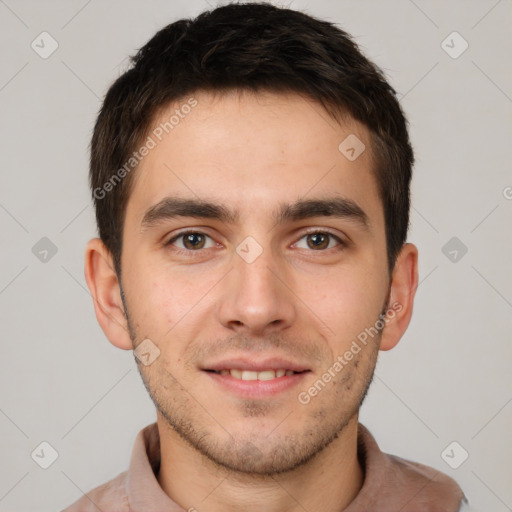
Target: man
<point x="251" y="177"/>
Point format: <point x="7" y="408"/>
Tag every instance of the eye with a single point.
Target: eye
<point x="320" y="240"/>
<point x="191" y="241"/>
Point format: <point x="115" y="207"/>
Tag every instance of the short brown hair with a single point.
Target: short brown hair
<point x="257" y="47"/>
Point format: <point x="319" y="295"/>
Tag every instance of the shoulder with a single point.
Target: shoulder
<point x="431" y="486"/>
<point x="395" y="483"/>
<point x="111" y="496"/>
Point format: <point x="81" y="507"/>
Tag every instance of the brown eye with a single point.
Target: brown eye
<point x="193" y="241"/>
<point x="190" y="241"/>
<point x="319" y="241"/>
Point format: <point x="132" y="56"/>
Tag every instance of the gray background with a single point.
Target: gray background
<point x="448" y="379"/>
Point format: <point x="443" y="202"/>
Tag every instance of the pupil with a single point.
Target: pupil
<point x="318" y="239"/>
<point x="194" y="239"/>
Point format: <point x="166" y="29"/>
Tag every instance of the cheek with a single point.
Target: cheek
<point x="158" y="304"/>
<point x="155" y="299"/>
<point x="165" y="304"/>
<point x="347" y="302"/>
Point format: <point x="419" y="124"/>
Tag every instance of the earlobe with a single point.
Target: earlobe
<point x="401" y="296"/>
<point x="105" y="290"/>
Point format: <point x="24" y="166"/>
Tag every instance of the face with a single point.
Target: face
<point x="253" y="245"/>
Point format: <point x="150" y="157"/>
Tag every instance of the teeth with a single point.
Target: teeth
<point x="263" y="375"/>
<point x="266" y="375"/>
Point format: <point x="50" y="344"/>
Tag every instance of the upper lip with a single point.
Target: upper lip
<point x="244" y="363"/>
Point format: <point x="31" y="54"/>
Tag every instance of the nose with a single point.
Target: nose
<point x="257" y="297"/>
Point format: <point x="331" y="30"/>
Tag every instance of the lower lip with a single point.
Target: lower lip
<point x="257" y="388"/>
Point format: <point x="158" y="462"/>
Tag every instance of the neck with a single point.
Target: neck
<point x="328" y="482"/>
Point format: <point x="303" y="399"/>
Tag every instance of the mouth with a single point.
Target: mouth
<point x="263" y="375"/>
<point x="250" y="379"/>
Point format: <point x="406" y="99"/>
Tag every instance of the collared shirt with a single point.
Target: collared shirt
<point x="390" y="484"/>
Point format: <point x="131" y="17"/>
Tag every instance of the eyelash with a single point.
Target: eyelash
<point x="190" y="253"/>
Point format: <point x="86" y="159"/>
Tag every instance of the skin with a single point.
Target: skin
<point x="252" y="152"/>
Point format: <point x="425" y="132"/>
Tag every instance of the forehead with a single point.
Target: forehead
<point x="253" y="151"/>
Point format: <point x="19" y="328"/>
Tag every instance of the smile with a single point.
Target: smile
<point x="260" y="375"/>
<point x="250" y="384"/>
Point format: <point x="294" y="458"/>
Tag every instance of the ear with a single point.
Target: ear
<point x="104" y="286"/>
<point x="404" y="283"/>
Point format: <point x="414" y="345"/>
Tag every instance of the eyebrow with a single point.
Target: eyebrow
<point x="176" y="207"/>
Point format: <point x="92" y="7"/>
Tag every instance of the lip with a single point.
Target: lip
<point x="252" y="389"/>
<point x="243" y="363"/>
